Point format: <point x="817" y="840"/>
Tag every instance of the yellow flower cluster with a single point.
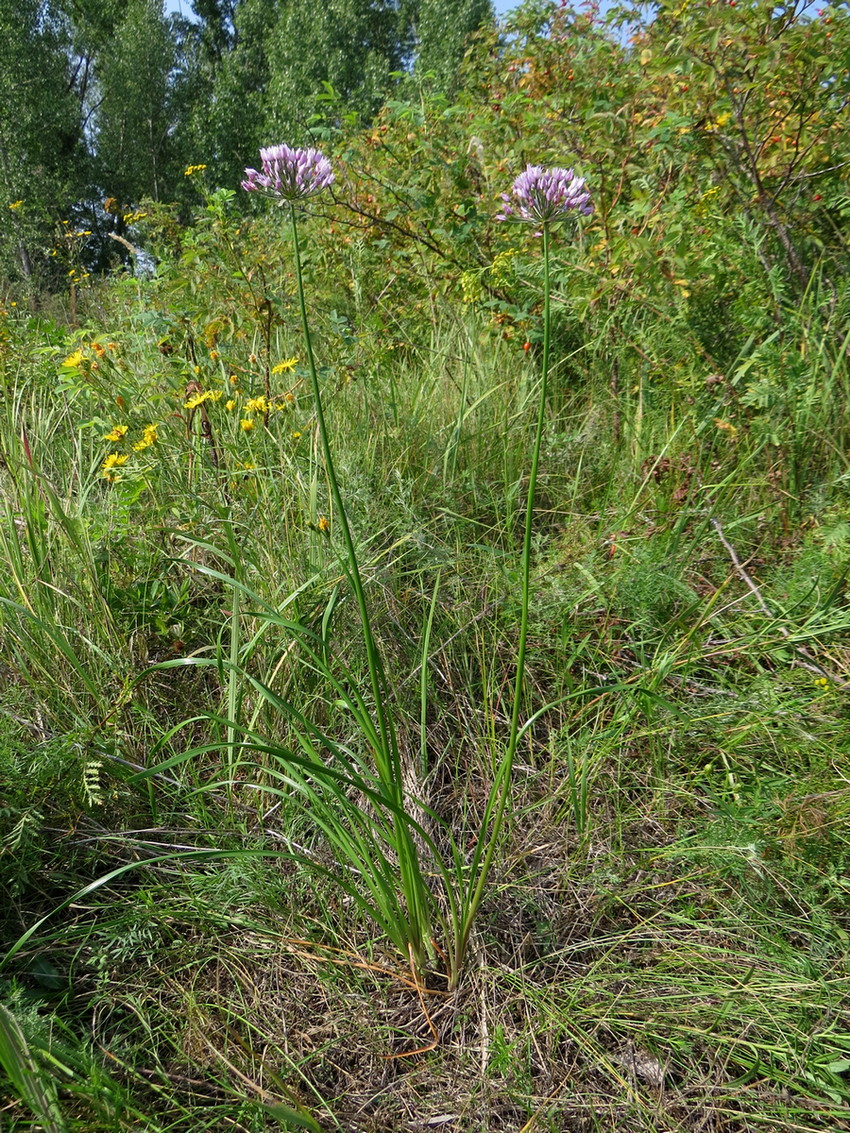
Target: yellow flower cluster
<point x="148" y="438"/>
<point x="117" y="433"/>
<point x="257" y="405"/>
<point x="191" y="170"/>
<point x="113" y="461"/>
<point x="75" y="361"/>
<point x="199" y="398"/>
<point x="501" y="269"/>
<point x="471" y="286"/>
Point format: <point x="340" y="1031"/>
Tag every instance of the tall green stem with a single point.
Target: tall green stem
<point x="385" y="727"/>
<point x="488" y="842"/>
<point x="389" y="762"/>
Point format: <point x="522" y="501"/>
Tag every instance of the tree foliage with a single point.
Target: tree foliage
<point x="138" y="106"/>
<point x="42" y="159"/>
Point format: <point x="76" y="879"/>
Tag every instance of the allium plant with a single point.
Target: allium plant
<point x="383" y="852"/>
<point x="544" y="196"/>
<point x="357" y="798"/>
<point x="289" y="175"/>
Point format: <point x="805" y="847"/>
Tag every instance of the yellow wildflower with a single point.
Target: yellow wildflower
<point x="113" y="461"/>
<point x="191" y="170"/>
<point x="247" y="424"/>
<point x="149" y="437"/>
<point x="75" y="360"/>
<point x="257" y="404"/>
<point x="323" y="523"/>
<point x="98" y="349"/>
<point x="231" y="404"/>
<point x="117" y="433"/>
<point x="295" y="436"/>
<point x="15" y="205"/>
<point x="214" y="355"/>
<point x="285" y="366"/>
<point x="199" y="398"/>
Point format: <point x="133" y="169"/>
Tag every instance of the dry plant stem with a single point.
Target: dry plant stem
<point x="131" y="248"/>
<point x="434" y="1034"/>
<point x="808" y="662"/>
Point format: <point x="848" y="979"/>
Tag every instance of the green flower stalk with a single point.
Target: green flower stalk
<point x="290" y="176"/>
<point x="541" y="197"/>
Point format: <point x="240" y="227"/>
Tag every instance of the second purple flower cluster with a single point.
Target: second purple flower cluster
<point x="544" y="195"/>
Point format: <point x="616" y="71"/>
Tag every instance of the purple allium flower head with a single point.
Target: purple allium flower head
<point x="289" y="174"/>
<point x="542" y="195"/>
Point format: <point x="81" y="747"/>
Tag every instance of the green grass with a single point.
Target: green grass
<point x="663" y="942"/>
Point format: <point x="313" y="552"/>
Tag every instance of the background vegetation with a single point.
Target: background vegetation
<point x="663" y="944"/>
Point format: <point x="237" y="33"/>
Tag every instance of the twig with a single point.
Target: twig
<point x="131" y="248"/>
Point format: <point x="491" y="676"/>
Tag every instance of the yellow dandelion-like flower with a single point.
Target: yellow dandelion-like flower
<point x="285" y="366"/>
<point x="247" y="424"/>
<point x="249" y="465"/>
<point x="149" y="437"/>
<point x="199" y="398"/>
<point x="75" y="360"/>
<point x="289" y="397"/>
<point x="230" y="404"/>
<point x="233" y="379"/>
<point x="191" y="170"/>
<point x="214" y="355"/>
<point x="257" y="405"/>
<point x="324" y="525"/>
<point x="113" y="460"/>
<point x="295" y="436"/>
<point x="116" y="433"/>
